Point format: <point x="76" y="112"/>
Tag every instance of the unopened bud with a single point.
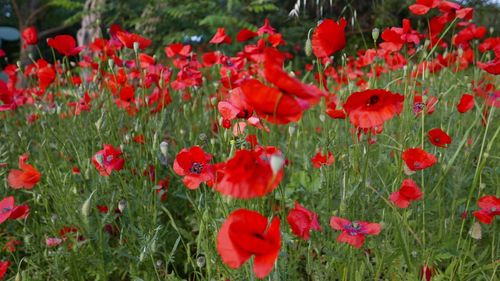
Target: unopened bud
<point x="308" y="47"/>
<point x="136" y="47"/>
<point x="164" y="148"/>
<point x="86" y="206"/>
<point x="375" y="33"/>
<point x="277" y="162"/>
<point x="122" y="205"/>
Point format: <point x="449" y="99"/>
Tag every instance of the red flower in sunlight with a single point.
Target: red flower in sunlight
<point x="108" y="159"/>
<point x="64" y="44"/>
<point x="247" y="233"/>
<point x="249" y="173"/>
<point x="302" y="220"/>
<point x="328" y="38"/>
<point x="221" y="37"/>
<point x="423" y="6"/>
<point x="271" y="104"/>
<point x="245" y="35"/>
<point x="4" y="266"/>
<point x="439" y="137"/>
<point x="8" y="210"/>
<point x="30" y="36"/>
<point x="354" y="233"/>
<point x="490" y="207"/>
<point x="466" y="103"/>
<point x="26" y="178"/>
<point x="128" y="39"/>
<point x="193" y="165"/>
<point x="418" y="159"/>
<point x="371" y="108"/>
<point x="409" y="191"/>
<point x="319" y="159"/>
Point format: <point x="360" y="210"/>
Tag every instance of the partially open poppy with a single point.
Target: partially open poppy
<point x="108" y="159"/>
<point x="329" y="37"/>
<point x="302" y="220"/>
<point x="409" y="191"/>
<point x="64" y="44"/>
<point x="319" y="159"/>
<point x="26" y="178"/>
<point x="439" y="137"/>
<point x="247" y="233"/>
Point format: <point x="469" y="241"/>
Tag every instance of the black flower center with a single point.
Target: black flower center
<point x="373" y="100"/>
<point x="196" y="168"/>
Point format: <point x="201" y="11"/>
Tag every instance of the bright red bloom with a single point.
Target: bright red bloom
<point x="328" y="38"/>
<point x="490" y="207"/>
<point x="302" y="220"/>
<point x="427" y="272"/>
<point x="395" y="37"/>
<point x="409" y="191"/>
<point x="492" y="67"/>
<point x="439" y="137"/>
<point x="249" y="173"/>
<point x="418" y="159"/>
<point x="64" y="44"/>
<point x="221" y="37"/>
<point x="466" y="103"/>
<point x="193" y="164"/>
<point x="26" y="178"/>
<point x="30" y="36"/>
<point x="371" y="108"/>
<point x="319" y="159"/>
<point x="247" y="233"/>
<point x="128" y="39"/>
<point x="4" y="265"/>
<point x="108" y="159"/>
<point x="354" y="233"/>
<point x="423" y="6"/>
<point x="177" y="49"/>
<point x="266" y="28"/>
<point x="245" y="35"/>
<point x="271" y="104"/>
<point x="46" y="76"/>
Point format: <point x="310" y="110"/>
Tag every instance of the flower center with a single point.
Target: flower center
<point x="437" y="139"/>
<point x="5" y="210"/>
<point x="418" y="107"/>
<point x="373" y="100"/>
<point x="353" y="229"/>
<point x="196" y="168"/>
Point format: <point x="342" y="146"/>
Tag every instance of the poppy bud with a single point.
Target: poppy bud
<point x="291" y="130"/>
<point x="277" y="162"/>
<point x="111" y="63"/>
<point x="122" y="205"/>
<point x="475" y="231"/>
<point x="308" y="47"/>
<point x="375" y="33"/>
<point x="136" y="47"/>
<point x="200" y="261"/>
<point x="86" y="206"/>
<point x="492" y="29"/>
<point x="164" y="148"/>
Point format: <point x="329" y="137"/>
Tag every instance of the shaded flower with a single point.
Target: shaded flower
<point x="409" y="191"/>
<point x="490" y="207"/>
<point x="439" y="137"/>
<point x="354" y="233"/>
<point x="302" y="220"/>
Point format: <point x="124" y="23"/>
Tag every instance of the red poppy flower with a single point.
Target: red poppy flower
<point x="423" y="6"/>
<point x="30" y="36"/>
<point x="179" y="49"/>
<point x="466" y="103"/>
<point x="46" y="76"/>
<point x="4" y="265"/>
<point x="418" y="159"/>
<point x="220" y="37"/>
<point x="245" y="35"/>
<point x="409" y="191"/>
<point x="319" y="159"/>
<point x="302" y="220"/>
<point x="490" y="207"/>
<point x="64" y="44"/>
<point x="26" y="178"/>
<point x="274" y="73"/>
<point x="328" y="38"/>
<point x="271" y="104"/>
<point x="492" y="67"/>
<point x="354" y="233"/>
<point x="247" y="233"/>
<point x="371" y="108"/>
<point x="439" y="137"/>
<point x="108" y="159"/>
<point x="249" y="173"/>
<point x="427" y="272"/>
<point x="8" y="210"/>
<point x="266" y="28"/>
<point x="128" y="39"/>
<point x="193" y="164"/>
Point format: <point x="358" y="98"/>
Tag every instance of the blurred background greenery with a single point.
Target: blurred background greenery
<point x="188" y="21"/>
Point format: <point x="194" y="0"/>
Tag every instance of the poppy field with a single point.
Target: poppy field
<point x="206" y="164"/>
